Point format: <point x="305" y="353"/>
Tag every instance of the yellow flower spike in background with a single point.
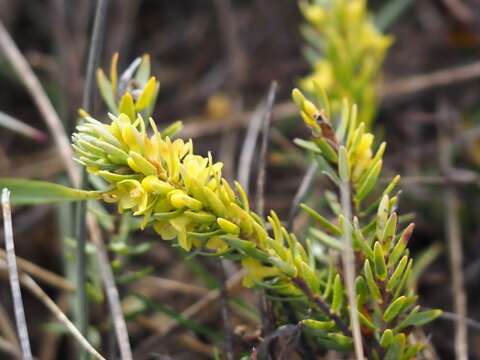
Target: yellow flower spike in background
<point x="346" y="53"/>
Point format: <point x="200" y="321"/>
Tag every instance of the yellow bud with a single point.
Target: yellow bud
<point x="298" y="97"/>
<point x="153" y="184"/>
<point x="181" y="200"/>
<point x="310" y="109"/>
<point x="228" y="226"/>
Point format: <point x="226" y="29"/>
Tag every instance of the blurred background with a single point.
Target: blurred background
<point x="215" y="61"/>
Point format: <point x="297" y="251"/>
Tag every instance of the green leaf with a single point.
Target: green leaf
<point x="361" y="289"/>
<point x="343" y="166"/>
<point x="394" y="308"/>
<point x="390" y="228"/>
<point x="367" y="186"/>
<point x="420" y="318"/>
<point x="397" y="274"/>
<point x="322" y="221"/>
<point x="327" y="240"/>
<point x="172" y="129"/>
<point x="387" y="338"/>
<point x="328" y="152"/>
<point x="337" y="295"/>
<point x="30" y="192"/>
<point x="307" y="145"/>
<point x="395" y="351"/>
<point x="361" y="242"/>
<point x="405" y="277"/>
<point x="412" y="351"/>
<point x="372" y="285"/>
<point x="318" y="325"/>
<point x="106" y="91"/>
<point x="379" y="261"/>
<point x="399" y="248"/>
<point x="367" y="322"/>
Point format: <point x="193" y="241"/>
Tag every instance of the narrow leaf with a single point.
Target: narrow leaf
<point x="30" y="192"/>
<point x="379" y="262"/>
<point x="372" y="285"/>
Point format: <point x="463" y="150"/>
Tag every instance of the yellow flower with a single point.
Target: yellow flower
<point x="129" y="194"/>
<point x="256" y="272"/>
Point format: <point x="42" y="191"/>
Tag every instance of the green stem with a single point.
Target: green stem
<point x="88" y="96"/>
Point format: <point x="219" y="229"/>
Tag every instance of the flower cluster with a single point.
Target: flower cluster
<point x="346" y="52"/>
<point x="183" y="195"/>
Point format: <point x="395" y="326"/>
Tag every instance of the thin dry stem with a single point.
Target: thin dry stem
<point x="438" y="78"/>
<point x="13" y="276"/>
<point x="348" y="259"/>
<point x="454" y="237"/>
<point x="36" y="290"/>
<point x="111" y="290"/>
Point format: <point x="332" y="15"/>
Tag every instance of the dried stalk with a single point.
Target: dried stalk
<point x="452" y="228"/>
<point x="13" y="275"/>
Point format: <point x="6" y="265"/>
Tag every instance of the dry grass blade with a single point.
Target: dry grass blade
<point x="262" y="160"/>
<point x="196" y="310"/>
<point x="43" y="297"/>
<point x="13" y="275"/>
<point x="20" y="127"/>
<point x="248" y="148"/>
<point x="8" y="348"/>
<point x="41" y="274"/>
<point x="428" y="81"/>
<point x="452" y="228"/>
<point x="7" y="329"/>
<point x="25" y="73"/>
<point x="301" y="192"/>
<point x="28" y="282"/>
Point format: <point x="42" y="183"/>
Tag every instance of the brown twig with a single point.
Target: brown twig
<point x="438" y="78"/>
